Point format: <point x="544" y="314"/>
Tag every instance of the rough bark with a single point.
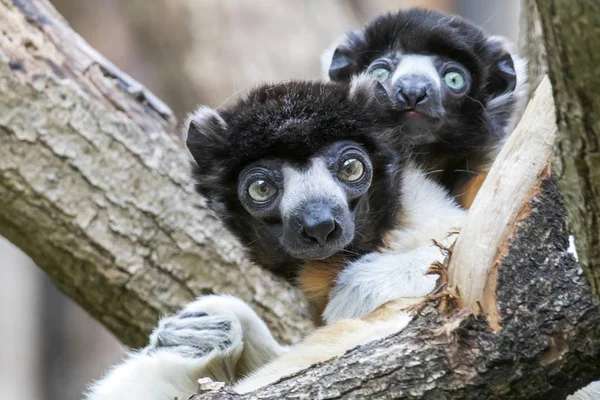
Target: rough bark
<point x="569" y="31"/>
<point x="94" y="187"/>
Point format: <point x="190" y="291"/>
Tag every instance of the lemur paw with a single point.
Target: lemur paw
<point x="377" y="278"/>
<point x="200" y="328"/>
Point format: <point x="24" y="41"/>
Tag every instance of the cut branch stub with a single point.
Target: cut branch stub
<point x="501" y="202"/>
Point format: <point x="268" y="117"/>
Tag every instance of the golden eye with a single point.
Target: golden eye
<point x="351" y="170"/>
<point x="381" y="74"/>
<point x="454" y="80"/>
<point x="261" y="191"/>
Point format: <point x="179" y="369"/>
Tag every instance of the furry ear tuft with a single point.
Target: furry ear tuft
<point x="205" y="134"/>
<point x="503" y="75"/>
<point x="339" y="61"/>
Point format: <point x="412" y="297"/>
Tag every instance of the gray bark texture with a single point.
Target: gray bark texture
<point x="565" y="38"/>
<point x="94" y="187"/>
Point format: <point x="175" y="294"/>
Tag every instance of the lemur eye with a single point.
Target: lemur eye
<point x="261" y="191"/>
<point x="381" y="74"/>
<point x="454" y="80"/>
<point x="351" y="170"/>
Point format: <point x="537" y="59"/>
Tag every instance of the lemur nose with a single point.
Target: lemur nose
<point x="319" y="225"/>
<point x="413" y="93"/>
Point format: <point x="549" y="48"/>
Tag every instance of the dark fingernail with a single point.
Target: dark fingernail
<point x="196" y="314"/>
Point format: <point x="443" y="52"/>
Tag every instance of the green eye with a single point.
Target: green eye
<point x="454" y="80"/>
<point x="261" y="191"/>
<point x="381" y="74"/>
<point x="351" y="170"/>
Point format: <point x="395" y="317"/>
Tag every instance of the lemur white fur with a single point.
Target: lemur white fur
<point x="376" y="278"/>
<point x="231" y="341"/>
<point x="301" y="185"/>
<point x="413" y="63"/>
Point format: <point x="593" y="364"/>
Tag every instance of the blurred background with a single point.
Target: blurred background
<point x="187" y="52"/>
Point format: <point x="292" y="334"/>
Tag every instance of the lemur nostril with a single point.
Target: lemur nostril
<point x="412" y="92"/>
<point x="336" y="233"/>
<point x="319" y="230"/>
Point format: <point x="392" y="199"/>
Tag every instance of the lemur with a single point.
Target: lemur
<point x="458" y="92"/>
<point x="304" y="174"/>
<point x="221" y="337"/>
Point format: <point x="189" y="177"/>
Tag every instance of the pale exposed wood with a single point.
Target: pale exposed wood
<point x="95" y="187"/>
<point x="523" y="160"/>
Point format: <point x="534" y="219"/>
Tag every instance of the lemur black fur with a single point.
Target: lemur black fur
<point x="292" y="121"/>
<point x="466" y="138"/>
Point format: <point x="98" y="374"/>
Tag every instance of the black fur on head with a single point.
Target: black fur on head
<point x="472" y="126"/>
<point x="293" y="122"/>
<point x="419" y="31"/>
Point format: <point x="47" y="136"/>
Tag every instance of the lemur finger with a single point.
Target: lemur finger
<point x="202" y="323"/>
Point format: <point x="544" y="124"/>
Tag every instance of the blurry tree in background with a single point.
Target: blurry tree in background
<point x="187" y="52"/>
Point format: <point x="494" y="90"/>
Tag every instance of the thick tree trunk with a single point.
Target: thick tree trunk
<point x="96" y="190"/>
<point x="570" y="32"/>
<point x="94" y="187"/>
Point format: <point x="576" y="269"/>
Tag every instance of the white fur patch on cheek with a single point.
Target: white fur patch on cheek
<point x="416" y="64"/>
<point x="315" y="182"/>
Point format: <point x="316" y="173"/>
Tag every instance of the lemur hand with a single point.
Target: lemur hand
<point x="377" y="278"/>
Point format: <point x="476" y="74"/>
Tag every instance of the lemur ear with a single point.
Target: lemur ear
<point x="206" y="136"/>
<point x="503" y="76"/>
<point x="340" y="60"/>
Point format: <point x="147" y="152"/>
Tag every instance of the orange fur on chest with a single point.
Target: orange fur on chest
<point x="466" y="194"/>
<point x="316" y="279"/>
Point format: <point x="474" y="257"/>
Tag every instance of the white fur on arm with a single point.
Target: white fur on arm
<point x="158" y="376"/>
<point x="324" y="344"/>
<point x="378" y="278"/>
<point x="429" y="213"/>
<point x="219" y="337"/>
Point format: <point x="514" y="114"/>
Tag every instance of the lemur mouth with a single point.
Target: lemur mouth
<point x="315" y="253"/>
<point x="412" y="113"/>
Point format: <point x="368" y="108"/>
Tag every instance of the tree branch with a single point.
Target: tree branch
<point x="94" y="187"/>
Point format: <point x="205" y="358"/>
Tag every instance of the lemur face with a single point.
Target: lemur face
<point x="300" y="171"/>
<point x="310" y="206"/>
<point x="425" y="89"/>
<point x="442" y="73"/>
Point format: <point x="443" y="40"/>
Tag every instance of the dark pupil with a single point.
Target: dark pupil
<point x="352" y="168"/>
<point x="263" y="188"/>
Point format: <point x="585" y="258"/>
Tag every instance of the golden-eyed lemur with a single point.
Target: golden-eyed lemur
<point x="458" y="92"/>
<point x="303" y="174"/>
